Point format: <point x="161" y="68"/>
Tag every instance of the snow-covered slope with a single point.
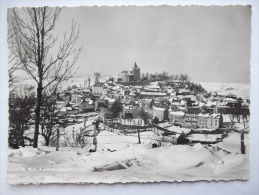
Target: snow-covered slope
<point x="238" y="89"/>
<point x="118" y="161"/>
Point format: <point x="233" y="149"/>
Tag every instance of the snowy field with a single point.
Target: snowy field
<point x="79" y="81"/>
<point x="238" y="89"/>
<point x="119" y="158"/>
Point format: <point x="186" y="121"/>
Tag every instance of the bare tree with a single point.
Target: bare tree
<point x="97" y="76"/>
<point x="33" y="48"/>
<point x="143" y="75"/>
<point x="89" y="80"/>
<point x="176" y="77"/>
<point x="147" y="75"/>
<point x="85" y="83"/>
<point x="171" y="77"/>
<point x="165" y="75"/>
<point x="48" y="120"/>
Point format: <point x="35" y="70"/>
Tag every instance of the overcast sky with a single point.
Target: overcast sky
<point x="210" y="43"/>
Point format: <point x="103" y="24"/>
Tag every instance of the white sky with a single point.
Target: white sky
<point x="210" y="43"/>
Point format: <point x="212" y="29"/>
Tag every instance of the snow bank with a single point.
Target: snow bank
<point x="179" y="130"/>
<point x="127" y="162"/>
<point x="25" y="152"/>
<point x="205" y="137"/>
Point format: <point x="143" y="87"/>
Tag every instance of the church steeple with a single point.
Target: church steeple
<point x="135" y="65"/>
<point x="136" y="72"/>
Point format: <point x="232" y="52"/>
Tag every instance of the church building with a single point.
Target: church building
<point x="129" y="76"/>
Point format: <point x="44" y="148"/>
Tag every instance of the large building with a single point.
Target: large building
<point x="98" y="89"/>
<point x="210" y="121"/>
<point x="129" y="76"/>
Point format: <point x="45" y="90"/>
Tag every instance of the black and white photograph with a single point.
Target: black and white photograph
<point x="128" y="94"/>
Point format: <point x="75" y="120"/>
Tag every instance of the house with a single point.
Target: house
<point x="191" y="119"/>
<point x="154" y="86"/>
<point x="210" y="121"/>
<point x="176" y="117"/>
<point x="109" y="84"/>
<point x="126" y="101"/>
<point x="128" y="110"/>
<point x="229" y="100"/>
<point x="86" y="107"/>
<point x="235" y="105"/>
<point x="101" y="103"/>
<point x="160" y="113"/>
<point x="144" y="103"/>
<point x="110" y="101"/>
<point x="125" y="91"/>
<point x="133" y="121"/>
<point x="98" y="89"/>
<point x="183" y="91"/>
<point x="170" y="138"/>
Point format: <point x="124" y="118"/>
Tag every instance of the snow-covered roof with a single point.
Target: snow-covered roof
<point x="203" y="115"/>
<point x="207" y="115"/>
<point x="153" y="93"/>
<point x="156" y="108"/>
<point x="178" y="113"/>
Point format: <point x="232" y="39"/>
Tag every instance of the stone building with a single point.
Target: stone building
<point x="98" y="89"/>
<point x="210" y="121"/>
<point x="130" y="76"/>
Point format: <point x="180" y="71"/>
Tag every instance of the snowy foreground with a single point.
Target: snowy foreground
<point x="120" y="159"/>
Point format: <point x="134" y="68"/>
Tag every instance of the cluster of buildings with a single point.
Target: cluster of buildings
<point x="161" y="101"/>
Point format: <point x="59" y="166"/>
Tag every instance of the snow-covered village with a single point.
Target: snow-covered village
<point x="155" y="125"/>
<point x="131" y="123"/>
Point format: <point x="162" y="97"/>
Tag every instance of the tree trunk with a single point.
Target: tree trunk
<point x="47" y="141"/>
<point x="138" y="136"/>
<point x="21" y="137"/>
<point x="37" y="115"/>
<point x="23" y="145"/>
<point x="57" y="141"/>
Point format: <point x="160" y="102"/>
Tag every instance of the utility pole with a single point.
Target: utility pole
<point x="243" y="137"/>
<point x="138" y="133"/>
<point x="242" y="142"/>
<point x="73" y="133"/>
<point x="138" y="136"/>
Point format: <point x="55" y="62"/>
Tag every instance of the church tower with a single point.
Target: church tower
<point x="136" y="72"/>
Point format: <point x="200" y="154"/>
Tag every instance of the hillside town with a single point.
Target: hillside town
<point x="107" y="103"/>
<point x="174" y="111"/>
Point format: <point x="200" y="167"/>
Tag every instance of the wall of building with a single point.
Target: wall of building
<point x="178" y="118"/>
<point x="190" y="121"/>
<point x="136" y="74"/>
<point x="97" y="90"/>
